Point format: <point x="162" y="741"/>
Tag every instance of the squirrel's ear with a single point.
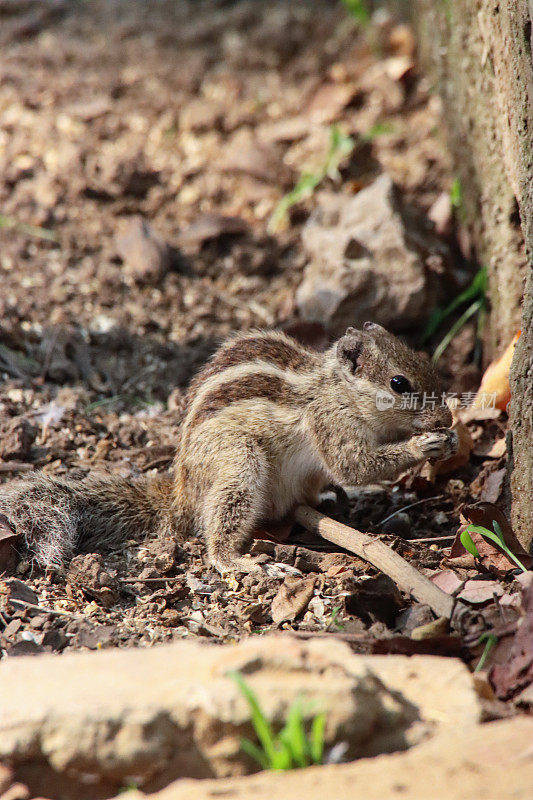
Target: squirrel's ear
<point x="350" y="349"/>
<point x="373" y="327"/>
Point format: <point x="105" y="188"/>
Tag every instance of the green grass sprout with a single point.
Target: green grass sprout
<point x="359" y="10"/>
<point x="334" y="621"/>
<point x="456" y="195"/>
<point x="491" y="639"/>
<point x="28" y="230"/>
<point x="292" y="747"/>
<point x="475" y="296"/>
<point x="495" y="536"/>
<point x="340" y="147"/>
<point x="379" y="129"/>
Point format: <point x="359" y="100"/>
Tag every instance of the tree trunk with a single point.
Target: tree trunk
<point x="479" y="55"/>
<point x="522" y="425"/>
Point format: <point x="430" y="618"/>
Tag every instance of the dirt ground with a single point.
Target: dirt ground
<point x="197" y="117"/>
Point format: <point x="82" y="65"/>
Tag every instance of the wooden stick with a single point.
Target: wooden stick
<point x="371" y="549"/>
<point x="16" y="466"/>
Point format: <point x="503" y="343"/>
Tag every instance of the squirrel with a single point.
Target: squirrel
<point x="268" y="424"/>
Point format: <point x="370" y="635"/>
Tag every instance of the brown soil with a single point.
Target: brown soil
<point x="198" y="117"/>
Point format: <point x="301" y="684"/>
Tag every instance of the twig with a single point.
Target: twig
<point x="432" y="539"/>
<point x="153" y="580"/>
<point x="43" y="609"/>
<point x="379" y="555"/>
<point x="411" y="505"/>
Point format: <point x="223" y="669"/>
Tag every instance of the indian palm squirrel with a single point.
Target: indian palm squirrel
<point x="268" y="425"/>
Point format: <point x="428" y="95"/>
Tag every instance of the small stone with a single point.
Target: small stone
<point x="16" y="439"/>
<point x="12" y="628"/>
<point x="147" y="258"/>
<point x="55" y="639"/>
<point x="414" y="617"/>
<point x="399" y="525"/>
<point x="88" y="572"/>
<point x="17" y="590"/>
<point x="171" y="617"/>
<point x="26" y="647"/>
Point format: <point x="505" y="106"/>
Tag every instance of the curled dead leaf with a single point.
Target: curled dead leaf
<point x="513" y="676"/>
<point x="495" y="381"/>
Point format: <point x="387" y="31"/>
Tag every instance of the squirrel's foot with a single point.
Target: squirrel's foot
<point x="276" y="569"/>
<point x="255" y="566"/>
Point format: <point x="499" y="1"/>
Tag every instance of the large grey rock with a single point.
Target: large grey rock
<point x="370" y="259"/>
<point x="156" y="715"/>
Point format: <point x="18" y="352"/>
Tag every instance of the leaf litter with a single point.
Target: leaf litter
<point x="91" y="347"/>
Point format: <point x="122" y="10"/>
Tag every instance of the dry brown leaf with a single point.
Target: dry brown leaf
<point x="515" y="676"/>
<point x="8" y="543"/>
<point x="436" y="627"/>
<point x="480" y="591"/>
<point x="493" y="486"/>
<point x="293" y="597"/>
<point x="488" y="448"/>
<point x="498" y="449"/>
<point x="447" y="580"/>
<point x="440" y="214"/>
<point x="330" y="100"/>
<point x="397" y="67"/>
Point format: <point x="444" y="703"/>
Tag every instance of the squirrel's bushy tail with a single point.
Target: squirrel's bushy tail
<point x="58" y="517"/>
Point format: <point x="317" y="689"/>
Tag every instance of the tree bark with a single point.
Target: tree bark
<point x="479" y="56"/>
<point x="521" y="444"/>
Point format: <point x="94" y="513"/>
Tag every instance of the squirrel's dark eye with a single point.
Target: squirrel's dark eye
<point x="400" y="385"/>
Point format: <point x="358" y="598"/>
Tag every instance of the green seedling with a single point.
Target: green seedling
<point x="126" y="398"/>
<point x="340" y="147"/>
<point x="292" y="747"/>
<point x="491" y="639"/>
<point x="28" y="230"/>
<point x="456" y="195"/>
<point x="475" y="296"/>
<point x="359" y="10"/>
<point x="334" y="621"/>
<point x="131" y="787"/>
<point x="379" y="129"/>
<point x="495" y="536"/>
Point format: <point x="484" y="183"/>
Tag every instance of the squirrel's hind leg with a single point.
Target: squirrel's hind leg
<point x="231" y="512"/>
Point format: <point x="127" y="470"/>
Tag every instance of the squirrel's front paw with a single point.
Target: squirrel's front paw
<point x="437" y="445"/>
